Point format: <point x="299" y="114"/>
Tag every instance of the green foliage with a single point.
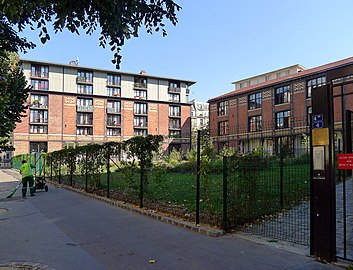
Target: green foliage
<point x="116" y="20"/>
<point x="13" y="94"/>
<point x="174" y="157"/>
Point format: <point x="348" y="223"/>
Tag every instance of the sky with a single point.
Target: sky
<point x="218" y="42"/>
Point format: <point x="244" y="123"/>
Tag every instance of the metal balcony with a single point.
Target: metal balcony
<point x="80" y="108"/>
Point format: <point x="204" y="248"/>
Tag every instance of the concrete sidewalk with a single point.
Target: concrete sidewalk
<point x="61" y="229"/>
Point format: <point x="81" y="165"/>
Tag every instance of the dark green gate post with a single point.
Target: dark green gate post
<point x="142" y="171"/>
<point x="198" y="177"/>
<point x="108" y="172"/>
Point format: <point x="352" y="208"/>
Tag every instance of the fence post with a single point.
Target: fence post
<point x="141" y="182"/>
<point x="51" y="167"/>
<point x="281" y="200"/>
<point x="60" y="171"/>
<point x="44" y="164"/>
<point x="86" y="173"/>
<point x="198" y="177"/>
<point x="225" y="193"/>
<point x="108" y="171"/>
<point x="71" y="167"/>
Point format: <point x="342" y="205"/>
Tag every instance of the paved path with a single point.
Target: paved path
<point x="66" y="230"/>
<point x="294" y="225"/>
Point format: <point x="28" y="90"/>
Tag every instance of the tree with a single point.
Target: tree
<point x="13" y="94"/>
<point x="118" y="20"/>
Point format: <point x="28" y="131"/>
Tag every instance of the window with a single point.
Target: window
<point x="38" y="129"/>
<point x="38" y="116"/>
<point x="113" y="80"/>
<point x="174" y="97"/>
<point x="40" y="85"/>
<point x="84" y="76"/>
<point x="39" y="101"/>
<point x="223" y="108"/>
<point x="140" y="121"/>
<point x="113" y="107"/>
<point x="175" y="133"/>
<point x="278" y="75"/>
<point x="174" y="123"/>
<point x="140" y="82"/>
<point x="84" y="102"/>
<point x="174" y="85"/>
<point x="40" y="71"/>
<point x="310" y="84"/>
<point x="267" y="78"/>
<point x="84" y="119"/>
<point x="113" y="131"/>
<point x="287" y="72"/>
<point x="38" y="147"/>
<point x="85" y="89"/>
<point x="113" y="92"/>
<point x="140" y="94"/>
<point x="84" y="131"/>
<point x="254" y="101"/>
<point x="282" y="95"/>
<point x="174" y="111"/>
<point x="241" y="85"/>
<point x="223" y="128"/>
<point x="282" y="119"/>
<point x="140" y="132"/>
<point x="248" y="83"/>
<point x="255" y="123"/>
<point x="114" y="120"/>
<point x="140" y="108"/>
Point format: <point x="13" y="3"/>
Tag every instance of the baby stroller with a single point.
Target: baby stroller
<point x="40" y="183"/>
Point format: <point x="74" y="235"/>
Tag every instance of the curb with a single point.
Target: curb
<point x="26" y="265"/>
<point x="149" y="213"/>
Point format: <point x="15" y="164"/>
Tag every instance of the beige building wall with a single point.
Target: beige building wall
<point x="56" y="78"/>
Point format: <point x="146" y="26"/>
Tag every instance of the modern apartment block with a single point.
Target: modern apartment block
<point x="71" y="105"/>
<point x="275" y="108"/>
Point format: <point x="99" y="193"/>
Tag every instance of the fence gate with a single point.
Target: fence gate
<point x="344" y="214"/>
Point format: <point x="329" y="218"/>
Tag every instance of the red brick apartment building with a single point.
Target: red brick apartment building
<point x="275" y="107"/>
<point x="71" y="105"/>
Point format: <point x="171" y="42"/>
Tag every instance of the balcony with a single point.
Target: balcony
<point x="140" y="112"/>
<point x="113" y="110"/>
<point x="114" y="95"/>
<point x="82" y="79"/>
<point x="81" y="108"/>
<point x="172" y="89"/>
<point x="140" y="85"/>
<point x="84" y="122"/>
<point x="39" y="74"/>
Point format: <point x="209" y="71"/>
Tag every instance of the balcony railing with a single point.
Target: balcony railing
<point x="174" y="89"/>
<point x="83" y="79"/>
<point x="39" y="74"/>
<point x="39" y="121"/>
<point x="113" y="124"/>
<point x="113" y="110"/>
<point x="81" y="108"/>
<point x="140" y="85"/>
<point x="174" y="115"/>
<point x="174" y="127"/>
<point x="37" y="105"/>
<point x="114" y="95"/>
<point x="140" y="125"/>
<point x="140" y="112"/>
<point x="140" y="97"/>
<point x="114" y="84"/>
<point x="84" y="123"/>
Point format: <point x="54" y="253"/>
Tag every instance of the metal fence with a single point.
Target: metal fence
<point x="258" y="192"/>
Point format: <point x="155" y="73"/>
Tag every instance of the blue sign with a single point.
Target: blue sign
<point x="318" y="118"/>
<point x="318" y="125"/>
